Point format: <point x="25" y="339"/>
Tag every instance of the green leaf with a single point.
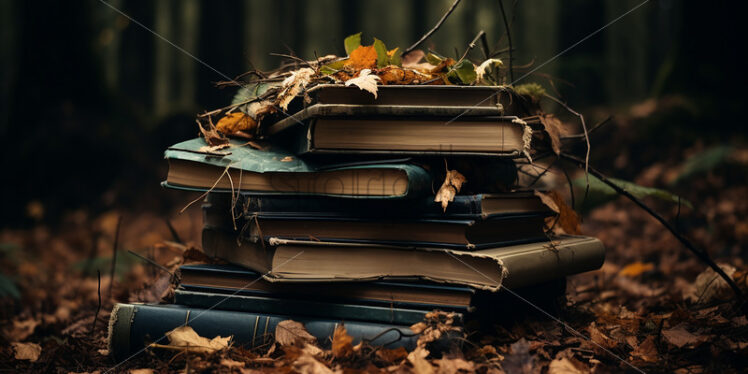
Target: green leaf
<point x="8" y="288"/>
<point x="533" y="90"/>
<point x="601" y="193"/>
<point x="433" y="58"/>
<point x="382" y="58"/>
<point x="250" y="92"/>
<point x="332" y="67"/>
<point x="352" y="42"/>
<point x="463" y="72"/>
<point x="703" y="162"/>
<point x="395" y="59"/>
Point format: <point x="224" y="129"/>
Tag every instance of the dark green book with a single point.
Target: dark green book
<point x="193" y="166"/>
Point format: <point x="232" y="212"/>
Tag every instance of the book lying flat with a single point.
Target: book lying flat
<point x="219" y="206"/>
<point x="311" y="261"/>
<point x="412" y="294"/>
<point x="458" y="234"/>
<point x="306" y="308"/>
<point x="421" y="135"/>
<point x="132" y="327"/>
<point x="471" y="99"/>
<point x="243" y="168"/>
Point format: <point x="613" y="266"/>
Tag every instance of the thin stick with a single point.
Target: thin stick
<point x="98" y="307"/>
<point x="470" y="46"/>
<point x="586" y="139"/>
<point x="592" y="129"/>
<point x="701" y="254"/>
<point x="114" y="254"/>
<point x="433" y="30"/>
<point x="484" y="46"/>
<point x="509" y="38"/>
<point x="173" y="231"/>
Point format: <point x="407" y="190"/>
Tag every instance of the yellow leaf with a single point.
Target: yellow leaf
<point x="365" y="81"/>
<point x="290" y="332"/>
<point x="186" y="337"/>
<point x="236" y="121"/>
<point x="341" y="342"/>
<point x="363" y="57"/>
<point x="27" y="351"/>
<point x="636" y="269"/>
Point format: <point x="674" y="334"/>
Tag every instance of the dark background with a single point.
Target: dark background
<point x="89" y="99"/>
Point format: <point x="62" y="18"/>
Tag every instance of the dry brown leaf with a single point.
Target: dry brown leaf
<point x="393" y="356"/>
<point x="646" y="351"/>
<point x="290" y="332"/>
<point x="186" y="337"/>
<point x="417" y="358"/>
<point x="307" y="364"/>
<point x="454" y="365"/>
<point x="236" y="121"/>
<point x="229" y="363"/>
<point x="520" y="360"/>
<point x="636" y="269"/>
<point x="548" y="201"/>
<point x="567" y="220"/>
<point x="413" y="58"/>
<point x="293" y="85"/>
<point x="141" y="371"/>
<point x="396" y="75"/>
<point x="20" y="329"/>
<point x="680" y="337"/>
<point x="341" y="342"/>
<point x="554" y="128"/>
<point x="709" y="286"/>
<point x="363" y="57"/>
<point x="451" y="186"/>
<point x="27" y="351"/>
<point x="435" y="325"/>
<point x="600" y="338"/>
<point x="562" y="365"/>
<point x="365" y="81"/>
<point x="212" y="137"/>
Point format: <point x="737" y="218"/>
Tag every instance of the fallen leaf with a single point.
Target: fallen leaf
<point x="236" y="121"/>
<point x="186" y="337"/>
<point x="392" y="355"/>
<point x="341" y="342"/>
<point x="21" y="329"/>
<point x="710" y="286"/>
<point x="417" y="358"/>
<point x="567" y="220"/>
<point x="27" y="351"/>
<point x="212" y="136"/>
<point x="307" y="364"/>
<point x="554" y="128"/>
<point x="141" y="371"/>
<point x="600" y="338"/>
<point x="562" y="365"/>
<point x="365" y="81"/>
<point x="636" y="269"/>
<point x="454" y="365"/>
<point x="293" y="85"/>
<point x="363" y="57"/>
<point x="450" y="187"/>
<point x="287" y="159"/>
<point x="290" y="332"/>
<point x="680" y="337"/>
<point x="548" y="201"/>
<point x="519" y="360"/>
<point x="646" y="351"/>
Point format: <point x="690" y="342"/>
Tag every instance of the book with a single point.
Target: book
<point x="462" y="234"/>
<point x="470" y="99"/>
<point x="218" y="207"/>
<point x="420" y="135"/>
<point x="243" y="168"/>
<point x="300" y="307"/>
<point x="312" y="261"/>
<point x="134" y="326"/>
<point x="409" y="294"/>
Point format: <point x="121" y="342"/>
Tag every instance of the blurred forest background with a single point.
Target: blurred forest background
<point x="89" y="99"/>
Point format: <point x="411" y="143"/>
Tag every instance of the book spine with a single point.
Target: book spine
<point x="133" y="327"/>
<point x="258" y="304"/>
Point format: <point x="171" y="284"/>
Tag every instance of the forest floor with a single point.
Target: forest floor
<point x="647" y="306"/>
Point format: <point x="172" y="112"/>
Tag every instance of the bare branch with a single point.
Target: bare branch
<point x="509" y="38"/>
<point x="433" y="30"/>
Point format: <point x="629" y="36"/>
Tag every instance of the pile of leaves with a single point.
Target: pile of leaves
<point x="365" y="67"/>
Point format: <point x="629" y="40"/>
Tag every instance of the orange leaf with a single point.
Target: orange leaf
<point x="636" y="269"/>
<point x="567" y="220"/>
<point x="363" y="57"/>
<point x="236" y="121"/>
<point x="341" y="342"/>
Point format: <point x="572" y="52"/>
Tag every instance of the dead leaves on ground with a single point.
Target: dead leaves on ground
<point x="27" y="351"/>
<point x="185" y="338"/>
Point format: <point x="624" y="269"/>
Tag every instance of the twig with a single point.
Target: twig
<point x="701" y="254"/>
<point x="509" y="38"/>
<point x="292" y="57"/>
<point x="484" y="46"/>
<point x="433" y="30"/>
<point x="98" y="307"/>
<point x="470" y="47"/>
<point x="593" y="128"/>
<point x="114" y="254"/>
<point x="148" y="260"/>
<point x="173" y="231"/>
<point x="586" y="139"/>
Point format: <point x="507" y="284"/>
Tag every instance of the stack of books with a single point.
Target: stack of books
<point x="334" y="219"/>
